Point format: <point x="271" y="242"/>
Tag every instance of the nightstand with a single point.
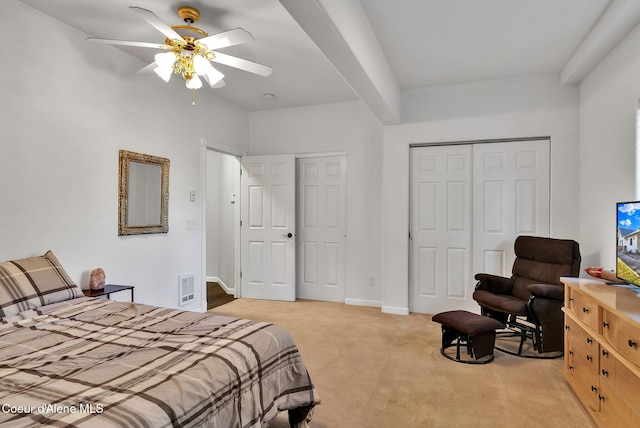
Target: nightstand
<point x="107" y="290"/>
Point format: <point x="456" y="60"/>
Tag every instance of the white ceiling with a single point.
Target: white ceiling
<point x="436" y="42"/>
<point x="425" y="42"/>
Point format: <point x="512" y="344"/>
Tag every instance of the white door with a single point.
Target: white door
<point x="511" y="198"/>
<point x="440" y="244"/>
<point x="268" y="227"/>
<point x="321" y="188"/>
<point x="468" y="204"/>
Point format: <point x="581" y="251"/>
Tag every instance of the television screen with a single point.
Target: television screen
<point x="628" y="250"/>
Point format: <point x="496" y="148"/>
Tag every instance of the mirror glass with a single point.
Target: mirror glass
<point x="143" y="194"/>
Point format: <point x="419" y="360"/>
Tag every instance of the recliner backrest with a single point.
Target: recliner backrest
<point x="543" y="260"/>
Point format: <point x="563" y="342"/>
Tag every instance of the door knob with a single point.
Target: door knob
<point x="288" y="235"/>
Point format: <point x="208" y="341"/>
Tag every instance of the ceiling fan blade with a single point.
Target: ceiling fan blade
<point x="242" y="64"/>
<point x="158" y="23"/>
<point x="220" y="84"/>
<point x="227" y="38"/>
<point x="127" y="43"/>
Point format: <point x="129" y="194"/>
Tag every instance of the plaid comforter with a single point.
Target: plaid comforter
<point x="94" y="363"/>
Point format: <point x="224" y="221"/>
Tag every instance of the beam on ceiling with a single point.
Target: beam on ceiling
<point x="620" y="17"/>
<point x="341" y="30"/>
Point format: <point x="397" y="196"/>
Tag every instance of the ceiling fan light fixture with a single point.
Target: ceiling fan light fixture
<point x="201" y="65"/>
<point x="194" y="82"/>
<point x="164" y="72"/>
<point x="165" y="59"/>
<point x="213" y="77"/>
<point x="188" y="50"/>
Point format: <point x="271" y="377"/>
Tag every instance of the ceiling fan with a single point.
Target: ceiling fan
<point x="190" y="50"/>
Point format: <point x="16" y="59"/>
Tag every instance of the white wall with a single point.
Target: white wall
<point x="65" y="113"/>
<point x="223" y="174"/>
<point x="608" y="103"/>
<point x="328" y="128"/>
<point x="513" y="108"/>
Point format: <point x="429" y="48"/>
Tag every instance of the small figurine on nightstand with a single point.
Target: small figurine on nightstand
<point x="97" y="279"/>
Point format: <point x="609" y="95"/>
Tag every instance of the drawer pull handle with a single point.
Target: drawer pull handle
<point x="585" y="310"/>
<point x="605" y="324"/>
<point x="605" y="373"/>
<point x="631" y="343"/>
<point x="589" y="340"/>
<point x="566" y="327"/>
<point x="570" y="352"/>
<point x="570" y="367"/>
<point x="593" y="388"/>
<point x="600" y="397"/>
<point x="589" y="358"/>
<point x="605" y="352"/>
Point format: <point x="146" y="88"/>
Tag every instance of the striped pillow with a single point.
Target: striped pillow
<point x="34" y="282"/>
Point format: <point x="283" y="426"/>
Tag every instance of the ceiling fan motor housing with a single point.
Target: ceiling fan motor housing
<point x="189" y="14"/>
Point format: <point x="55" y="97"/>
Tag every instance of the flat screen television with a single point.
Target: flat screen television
<point x="627" y="245"/>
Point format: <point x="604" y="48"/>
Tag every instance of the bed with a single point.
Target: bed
<point x="70" y="360"/>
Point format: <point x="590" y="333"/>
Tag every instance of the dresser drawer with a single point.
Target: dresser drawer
<point x="586" y="310"/>
<point x="583" y="366"/>
<point x="607" y="367"/>
<point x="628" y="386"/>
<point x="629" y="341"/>
<point x="579" y="344"/>
<point x="614" y="409"/>
<point x="610" y="327"/>
<point x="569" y="292"/>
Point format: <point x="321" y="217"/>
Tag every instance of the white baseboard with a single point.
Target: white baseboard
<point x="361" y="302"/>
<point x="395" y="310"/>
<point x="226" y="289"/>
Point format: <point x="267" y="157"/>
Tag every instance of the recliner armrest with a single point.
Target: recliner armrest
<point x="547" y="290"/>
<point x="493" y="283"/>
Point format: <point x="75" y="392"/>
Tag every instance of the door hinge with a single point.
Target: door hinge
<point x="240" y="274"/>
<point x="240" y="223"/>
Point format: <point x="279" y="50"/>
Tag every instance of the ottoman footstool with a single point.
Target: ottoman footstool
<point x="476" y="332"/>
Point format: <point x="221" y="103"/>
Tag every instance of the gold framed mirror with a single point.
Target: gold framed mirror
<point x="143" y="195"/>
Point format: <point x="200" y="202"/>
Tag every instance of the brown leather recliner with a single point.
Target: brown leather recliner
<point x="530" y="302"/>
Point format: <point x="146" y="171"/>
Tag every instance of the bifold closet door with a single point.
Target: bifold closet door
<point x="468" y="204"/>
<point x="440" y="237"/>
<point x="511" y="198"/>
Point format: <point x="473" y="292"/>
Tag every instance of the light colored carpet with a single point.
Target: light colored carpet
<point x="379" y="370"/>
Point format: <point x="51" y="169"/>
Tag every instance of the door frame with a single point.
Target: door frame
<point x="237" y="153"/>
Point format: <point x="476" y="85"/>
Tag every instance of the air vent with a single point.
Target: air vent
<point x="186" y="287"/>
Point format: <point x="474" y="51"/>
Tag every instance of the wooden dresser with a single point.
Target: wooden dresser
<point x="602" y="349"/>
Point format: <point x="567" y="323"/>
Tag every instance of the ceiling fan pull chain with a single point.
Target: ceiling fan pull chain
<point x="193" y="96"/>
